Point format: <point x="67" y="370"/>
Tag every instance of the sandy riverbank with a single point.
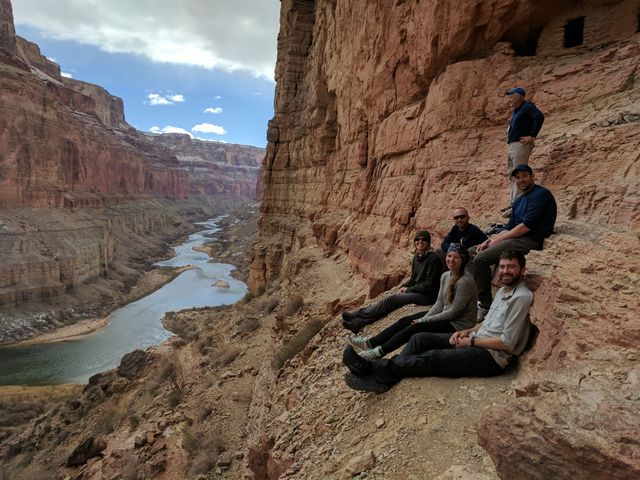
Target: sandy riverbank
<point x="149" y="283"/>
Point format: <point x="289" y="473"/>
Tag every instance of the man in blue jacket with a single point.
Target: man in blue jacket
<point x="532" y="219"/>
<point x="524" y="126"/>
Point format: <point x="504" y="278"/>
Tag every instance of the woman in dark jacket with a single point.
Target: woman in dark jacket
<point x="421" y="289"/>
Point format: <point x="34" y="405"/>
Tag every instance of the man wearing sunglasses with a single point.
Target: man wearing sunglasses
<point x="464" y="233"/>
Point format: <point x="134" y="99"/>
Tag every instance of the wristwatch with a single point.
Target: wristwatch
<point x="472" y="337"/>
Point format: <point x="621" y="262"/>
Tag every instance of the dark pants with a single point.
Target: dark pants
<point x="431" y="355"/>
<point x="483" y="261"/>
<point x="399" y="333"/>
<point x="376" y="311"/>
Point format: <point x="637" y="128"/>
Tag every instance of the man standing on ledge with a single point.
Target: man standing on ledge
<point x="481" y="351"/>
<point x="532" y="220"/>
<point x="524" y="126"/>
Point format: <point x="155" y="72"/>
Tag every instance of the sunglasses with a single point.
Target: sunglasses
<point x="459" y="217"/>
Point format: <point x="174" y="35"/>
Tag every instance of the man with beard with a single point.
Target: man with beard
<point x="532" y="219"/>
<point x="482" y="351"/>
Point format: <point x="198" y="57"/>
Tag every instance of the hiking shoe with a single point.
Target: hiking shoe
<point x="351" y="322"/>
<point x="359" y="342"/>
<point x="354" y="362"/>
<point x="349" y="316"/>
<point x="372" y="354"/>
<point x="365" y="383"/>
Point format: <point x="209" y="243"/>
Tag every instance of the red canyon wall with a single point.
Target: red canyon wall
<point x="390" y="114"/>
<point x="215" y="168"/>
<point x="57" y="140"/>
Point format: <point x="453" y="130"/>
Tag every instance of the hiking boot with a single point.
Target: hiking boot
<point x="349" y="316"/>
<point x="365" y="383"/>
<point x="359" y="342"/>
<point x="354" y="362"/>
<point x="351" y="322"/>
<point x="372" y="354"/>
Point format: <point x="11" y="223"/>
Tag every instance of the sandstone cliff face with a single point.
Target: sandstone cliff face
<point x="7" y="30"/>
<point x="53" y="144"/>
<point x="215" y="168"/>
<point x="30" y="53"/>
<point x="390" y="115"/>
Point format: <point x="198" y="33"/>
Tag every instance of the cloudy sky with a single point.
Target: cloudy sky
<point x="203" y="67"/>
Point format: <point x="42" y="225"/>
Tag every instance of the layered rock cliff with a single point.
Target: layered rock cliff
<point x="215" y="168"/>
<point x="390" y="115"/>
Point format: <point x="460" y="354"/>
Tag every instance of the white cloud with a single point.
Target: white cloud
<point x="217" y="97"/>
<point x="213" y="110"/>
<point x="209" y="128"/>
<point x="157" y="99"/>
<point x="170" y="129"/>
<point x="66" y="75"/>
<point x="212" y="34"/>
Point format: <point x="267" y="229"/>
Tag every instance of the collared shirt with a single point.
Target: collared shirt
<point x="508" y="318"/>
<point x="468" y="237"/>
<point x="536" y="210"/>
<point x="526" y="121"/>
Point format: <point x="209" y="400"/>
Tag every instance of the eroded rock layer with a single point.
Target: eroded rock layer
<point x="215" y="168"/>
<point x="389" y="115"/>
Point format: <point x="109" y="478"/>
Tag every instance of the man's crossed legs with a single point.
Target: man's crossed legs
<point x="426" y="355"/>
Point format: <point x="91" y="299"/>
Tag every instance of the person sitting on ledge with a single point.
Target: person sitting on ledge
<point x="532" y="219"/>
<point x="482" y="351"/>
<point x="455" y="309"/>
<point x="464" y="233"/>
<point x="421" y="289"/>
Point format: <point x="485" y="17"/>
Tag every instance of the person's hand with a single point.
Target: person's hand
<point x="484" y="245"/>
<point x="526" y="140"/>
<point x="455" y="338"/>
<point x="419" y="320"/>
<point x="403" y="289"/>
<point x="463" y="342"/>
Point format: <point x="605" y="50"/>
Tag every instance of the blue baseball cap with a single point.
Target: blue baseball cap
<point x="518" y="90"/>
<point x="523" y="167"/>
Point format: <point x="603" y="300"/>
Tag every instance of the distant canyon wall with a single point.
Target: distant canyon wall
<point x="389" y="115"/>
<point x="65" y="142"/>
<point x="215" y="168"/>
<point x="65" y="146"/>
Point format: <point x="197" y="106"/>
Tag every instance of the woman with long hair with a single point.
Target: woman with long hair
<point x="455" y="309"/>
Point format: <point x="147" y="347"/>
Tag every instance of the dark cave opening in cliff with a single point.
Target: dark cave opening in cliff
<point x="523" y="45"/>
<point x="574" y="32"/>
<point x="530" y="45"/>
